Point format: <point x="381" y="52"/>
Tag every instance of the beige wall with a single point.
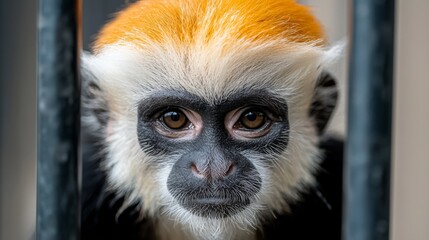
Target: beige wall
<point x="410" y="217"/>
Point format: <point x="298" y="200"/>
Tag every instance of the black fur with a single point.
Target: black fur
<point x="324" y="100"/>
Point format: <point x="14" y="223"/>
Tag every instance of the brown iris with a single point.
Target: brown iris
<point x="252" y="119"/>
<point x="175" y="119"/>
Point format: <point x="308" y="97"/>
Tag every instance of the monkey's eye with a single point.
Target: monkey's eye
<point x="249" y="123"/>
<point x="177" y="123"/>
<point x="251" y="119"/>
<point x="175" y="120"/>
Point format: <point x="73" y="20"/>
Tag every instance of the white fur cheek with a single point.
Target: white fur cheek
<point x="122" y="154"/>
<point x="299" y="162"/>
<point x="130" y="170"/>
<point x="166" y="200"/>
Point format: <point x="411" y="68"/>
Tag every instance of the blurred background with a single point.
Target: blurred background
<point x="410" y="170"/>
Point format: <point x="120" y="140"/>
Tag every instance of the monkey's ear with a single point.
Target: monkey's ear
<point x="324" y="100"/>
<point x="95" y="112"/>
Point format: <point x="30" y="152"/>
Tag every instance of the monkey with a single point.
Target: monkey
<point x="206" y="119"/>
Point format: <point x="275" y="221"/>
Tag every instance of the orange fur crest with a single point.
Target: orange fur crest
<point x="187" y="22"/>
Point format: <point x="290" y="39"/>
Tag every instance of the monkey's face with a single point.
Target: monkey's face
<point x="214" y="149"/>
<point x="212" y="117"/>
<point x="230" y="136"/>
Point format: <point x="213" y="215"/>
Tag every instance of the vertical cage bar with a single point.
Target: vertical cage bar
<point x="58" y="120"/>
<point x="368" y="148"/>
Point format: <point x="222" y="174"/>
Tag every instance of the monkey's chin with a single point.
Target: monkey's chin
<point x="214" y="207"/>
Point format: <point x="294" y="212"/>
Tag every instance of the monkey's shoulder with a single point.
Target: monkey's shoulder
<point x="102" y="216"/>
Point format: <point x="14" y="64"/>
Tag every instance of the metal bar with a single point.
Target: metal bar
<point x="58" y="121"/>
<point x="368" y="147"/>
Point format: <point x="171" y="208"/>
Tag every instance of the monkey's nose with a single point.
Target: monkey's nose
<point x="212" y="172"/>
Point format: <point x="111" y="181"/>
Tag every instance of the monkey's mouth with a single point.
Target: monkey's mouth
<point x="218" y="199"/>
<point x="215" y="207"/>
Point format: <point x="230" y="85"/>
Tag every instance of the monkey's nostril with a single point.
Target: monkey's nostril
<point x="195" y="171"/>
<point x="229" y="170"/>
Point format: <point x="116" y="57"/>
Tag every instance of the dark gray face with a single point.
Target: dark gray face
<point x="212" y="177"/>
